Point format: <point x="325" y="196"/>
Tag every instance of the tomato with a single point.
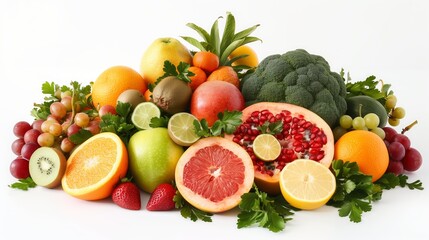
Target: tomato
<point x="213" y="97"/>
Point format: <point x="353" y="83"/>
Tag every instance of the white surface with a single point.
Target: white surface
<point x="76" y="40"/>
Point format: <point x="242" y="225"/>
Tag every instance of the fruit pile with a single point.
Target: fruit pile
<point x="203" y="131"/>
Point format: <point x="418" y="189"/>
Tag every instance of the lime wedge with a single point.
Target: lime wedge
<point x="181" y="129"/>
<point x="143" y="113"/>
<point x="266" y="147"/>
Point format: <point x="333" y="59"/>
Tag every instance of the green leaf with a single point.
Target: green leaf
<point x="228" y="32"/>
<point x="228" y="50"/>
<point x="194" y="42"/>
<point x="214" y="38"/>
<point x="203" y="33"/>
<point x="159" y="122"/>
<point x="49" y="88"/>
<point x="81" y="136"/>
<point x="246" y="32"/>
<point x="24" y="184"/>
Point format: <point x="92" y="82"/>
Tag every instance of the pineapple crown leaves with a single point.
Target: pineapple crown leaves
<point x="230" y="39"/>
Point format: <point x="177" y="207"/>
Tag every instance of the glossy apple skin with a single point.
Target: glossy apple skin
<point x="213" y="97"/>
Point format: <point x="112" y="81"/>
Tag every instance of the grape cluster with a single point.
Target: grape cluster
<point x="24" y="146"/>
<point x="369" y="122"/>
<point x="395" y="113"/>
<point x="402" y="157"/>
<point x="65" y="118"/>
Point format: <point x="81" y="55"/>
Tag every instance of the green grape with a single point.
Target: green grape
<point x="398" y="112"/>
<point x="346" y="121"/>
<point x="394" y="121"/>
<point x="338" y="132"/>
<point x="380" y="132"/>
<point x="358" y="123"/>
<point x="371" y="120"/>
<point x="390" y="102"/>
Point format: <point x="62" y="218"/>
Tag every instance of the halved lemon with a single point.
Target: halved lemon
<point x="143" y="114"/>
<point x="307" y="184"/>
<point x="181" y="129"/>
<point x="266" y="147"/>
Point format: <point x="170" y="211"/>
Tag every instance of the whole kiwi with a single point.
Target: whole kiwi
<point x="131" y="96"/>
<point x="172" y="95"/>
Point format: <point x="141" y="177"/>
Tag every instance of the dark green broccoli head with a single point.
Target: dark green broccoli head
<point x="299" y="78"/>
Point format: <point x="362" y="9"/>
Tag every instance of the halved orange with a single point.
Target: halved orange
<point x="95" y="167"/>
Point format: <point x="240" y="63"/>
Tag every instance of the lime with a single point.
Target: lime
<point x="143" y="114"/>
<point x="181" y="129"/>
<point x="266" y="147"/>
<point x="307" y="184"/>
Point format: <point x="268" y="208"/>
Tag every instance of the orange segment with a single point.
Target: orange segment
<point x="95" y="167"/>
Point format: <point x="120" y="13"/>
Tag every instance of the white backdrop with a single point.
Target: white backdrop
<point x="63" y="41"/>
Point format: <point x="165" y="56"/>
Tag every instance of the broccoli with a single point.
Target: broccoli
<point x="299" y="78"/>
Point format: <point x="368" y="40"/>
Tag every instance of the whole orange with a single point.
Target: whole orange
<point x="207" y="61"/>
<point x="365" y="148"/>
<point x="251" y="58"/>
<point x="225" y="73"/>
<point x="112" y="82"/>
<point x="199" y="77"/>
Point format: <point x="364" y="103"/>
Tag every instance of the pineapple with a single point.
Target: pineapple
<point x="225" y="46"/>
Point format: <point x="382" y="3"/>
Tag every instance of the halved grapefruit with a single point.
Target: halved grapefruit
<point x="213" y="174"/>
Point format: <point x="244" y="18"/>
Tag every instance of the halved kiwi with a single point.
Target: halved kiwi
<point x="47" y="166"/>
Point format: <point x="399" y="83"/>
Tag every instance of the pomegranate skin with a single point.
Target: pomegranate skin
<point x="213" y="97"/>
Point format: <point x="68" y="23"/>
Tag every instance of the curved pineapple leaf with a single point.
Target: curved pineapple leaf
<point x="228" y="32"/>
<point x="246" y="32"/>
<point x="231" y="47"/>
<point x="195" y="43"/>
<point x="214" y="42"/>
<point x="203" y="33"/>
<point x="250" y="39"/>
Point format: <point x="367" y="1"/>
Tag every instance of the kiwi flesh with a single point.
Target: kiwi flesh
<point x="47" y="166"/>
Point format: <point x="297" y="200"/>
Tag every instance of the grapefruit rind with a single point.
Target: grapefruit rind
<point x="104" y="187"/>
<point x="201" y="202"/>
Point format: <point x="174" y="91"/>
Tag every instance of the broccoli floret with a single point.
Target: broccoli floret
<point x="299" y="78"/>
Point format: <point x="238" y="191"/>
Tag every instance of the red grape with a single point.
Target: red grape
<point x="17" y="146"/>
<point x="21" y="128"/>
<point x="67" y="102"/>
<point x="46" y="140"/>
<point x="412" y="160"/>
<point x="395" y="167"/>
<point x="72" y="129"/>
<point x="37" y="124"/>
<point x="19" y="168"/>
<point x="396" y="151"/>
<point x="28" y="149"/>
<point x="67" y="145"/>
<point x="81" y="119"/>
<point x="390" y="133"/>
<point x="106" y="109"/>
<point x="403" y="139"/>
<point x="31" y="136"/>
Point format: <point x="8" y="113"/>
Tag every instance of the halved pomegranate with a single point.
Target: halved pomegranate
<point x="302" y="135"/>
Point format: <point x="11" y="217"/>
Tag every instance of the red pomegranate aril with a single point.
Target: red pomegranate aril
<point x="298" y="137"/>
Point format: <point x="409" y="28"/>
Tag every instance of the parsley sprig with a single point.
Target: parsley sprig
<point x="23" y="184"/>
<point x="268" y="212"/>
<point x="120" y="123"/>
<point x="227" y="122"/>
<point x="189" y="211"/>
<point x="355" y="191"/>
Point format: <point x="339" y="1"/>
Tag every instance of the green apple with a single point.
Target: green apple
<point x="152" y="158"/>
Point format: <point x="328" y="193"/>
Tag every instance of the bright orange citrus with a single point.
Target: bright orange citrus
<point x="95" y="167"/>
<point x="147" y="95"/>
<point x="365" y="148"/>
<point x="250" y="60"/>
<point x="112" y="82"/>
<point x="199" y="77"/>
<point x="207" y="61"/>
<point x="225" y="73"/>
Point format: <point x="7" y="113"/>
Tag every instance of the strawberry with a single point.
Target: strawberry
<point x="127" y="195"/>
<point x="162" y="198"/>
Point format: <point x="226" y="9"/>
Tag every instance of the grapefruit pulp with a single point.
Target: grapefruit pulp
<point x="213" y="174"/>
